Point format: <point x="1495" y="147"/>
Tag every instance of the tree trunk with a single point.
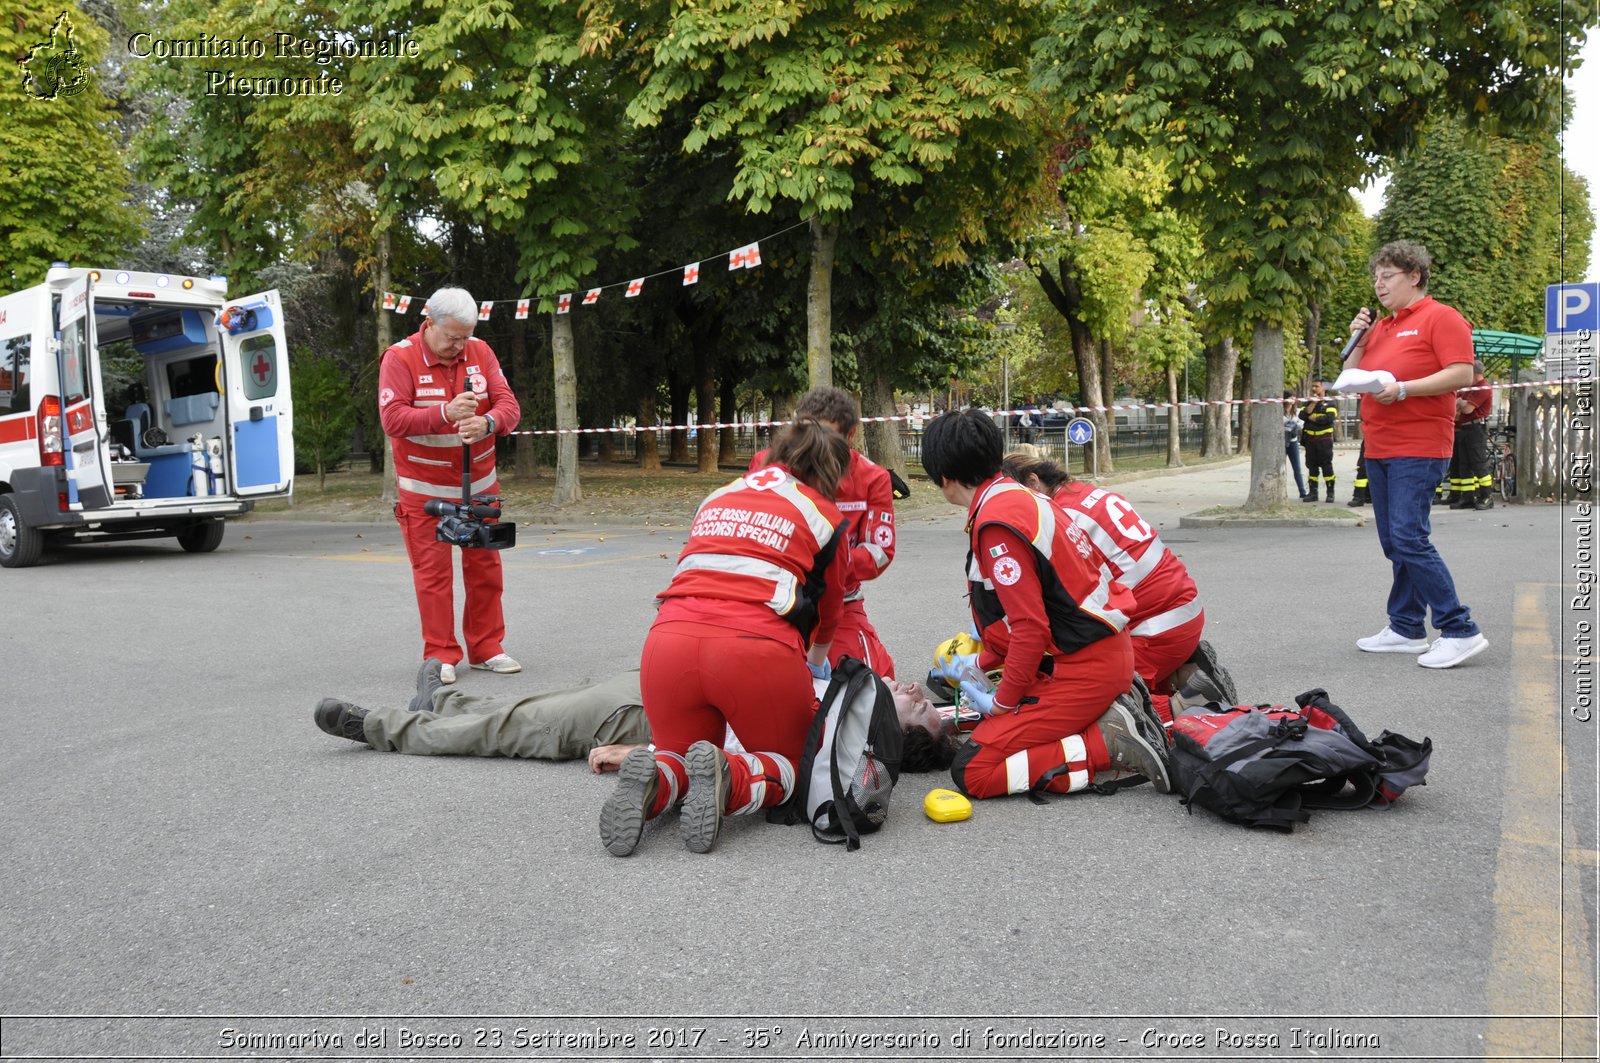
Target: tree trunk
<point x="882" y="438"/>
<point x="728" y="413"/>
<point x="819" y="304"/>
<point x="1108" y="392"/>
<point x="565" y="372"/>
<point x="678" y="399"/>
<point x="525" y="456"/>
<point x="1314" y="340"/>
<point x="390" y="491"/>
<point x="1222" y="361"/>
<point x="1266" y="433"/>
<point x="1174" y="420"/>
<point x="1066" y="295"/>
<point x="1247" y="410"/>
<point x="705" y="401"/>
<point x="648" y="443"/>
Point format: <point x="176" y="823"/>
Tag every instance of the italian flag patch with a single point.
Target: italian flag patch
<point x="997" y="551"/>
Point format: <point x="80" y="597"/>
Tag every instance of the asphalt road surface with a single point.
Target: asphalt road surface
<point x="192" y="870"/>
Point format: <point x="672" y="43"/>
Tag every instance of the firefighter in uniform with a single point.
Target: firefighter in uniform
<point x="1052" y="623"/>
<point x="1361" y="495"/>
<point x="1166" y="619"/>
<point x="742" y="630"/>
<point x="866" y="498"/>
<point x="1470" y="482"/>
<point x="1318" y="416"/>
<point x="438" y="390"/>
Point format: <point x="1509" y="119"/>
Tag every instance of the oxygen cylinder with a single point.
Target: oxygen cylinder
<point x="199" y="470"/>
<point x="214" y="463"/>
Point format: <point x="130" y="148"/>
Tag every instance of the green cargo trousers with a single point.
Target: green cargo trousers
<point x="556" y="725"/>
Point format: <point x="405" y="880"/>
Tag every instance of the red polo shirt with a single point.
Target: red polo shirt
<point x="1413" y="343"/>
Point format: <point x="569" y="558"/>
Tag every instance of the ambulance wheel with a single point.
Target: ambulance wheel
<point x="202" y="537"/>
<point x="20" y="545"/>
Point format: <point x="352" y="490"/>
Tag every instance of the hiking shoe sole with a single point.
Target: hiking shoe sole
<point x="429" y="679"/>
<point x="708" y="796"/>
<point x="1205" y="655"/>
<point x="623" y="816"/>
<point x="1150" y="725"/>
<point x="1130" y="749"/>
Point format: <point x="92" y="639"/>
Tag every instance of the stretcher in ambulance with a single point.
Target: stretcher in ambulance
<point x="138" y="405"/>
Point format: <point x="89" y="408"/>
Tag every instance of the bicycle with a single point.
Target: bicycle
<point x="1505" y="461"/>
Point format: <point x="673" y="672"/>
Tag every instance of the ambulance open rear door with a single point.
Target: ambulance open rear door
<point x="260" y="411"/>
<point x="84" y="451"/>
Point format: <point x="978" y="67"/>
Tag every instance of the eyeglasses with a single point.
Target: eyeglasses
<point x="1386" y="277"/>
<point x="454" y="341"/>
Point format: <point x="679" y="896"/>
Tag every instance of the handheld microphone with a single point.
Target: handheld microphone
<point x="1355" y="338"/>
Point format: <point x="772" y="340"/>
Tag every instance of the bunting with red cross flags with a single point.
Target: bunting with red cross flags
<point x="746" y="256"/>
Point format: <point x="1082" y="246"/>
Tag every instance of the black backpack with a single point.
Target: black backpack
<point x="851" y="760"/>
<point x="1266" y="766"/>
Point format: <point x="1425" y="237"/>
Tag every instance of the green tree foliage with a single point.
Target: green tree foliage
<point x="324" y="411"/>
<point x="825" y="100"/>
<point x="62" y="181"/>
<point x="1272" y="111"/>
<point x="1498" y="214"/>
<point x="1112" y="245"/>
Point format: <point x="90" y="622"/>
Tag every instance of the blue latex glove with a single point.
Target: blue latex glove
<point x="977" y="697"/>
<point x="823" y="671"/>
<point x="954" y="669"/>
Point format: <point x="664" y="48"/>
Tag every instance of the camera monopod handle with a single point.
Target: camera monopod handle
<point x="466" y="474"/>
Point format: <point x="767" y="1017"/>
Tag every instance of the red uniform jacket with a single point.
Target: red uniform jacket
<point x="765" y="554"/>
<point x="1037" y="592"/>
<point x="413" y="386"/>
<point x="866" y="498"/>
<point x="1133" y="551"/>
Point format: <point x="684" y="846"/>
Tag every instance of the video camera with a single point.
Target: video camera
<point x="464" y="523"/>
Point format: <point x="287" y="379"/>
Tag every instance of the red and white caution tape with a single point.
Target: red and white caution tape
<point x="714" y="426"/>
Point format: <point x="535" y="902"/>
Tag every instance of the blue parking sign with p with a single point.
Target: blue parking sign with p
<point x="1572" y="307"/>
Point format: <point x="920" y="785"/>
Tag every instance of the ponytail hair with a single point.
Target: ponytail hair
<point x="1020" y="464"/>
<point x="816" y="454"/>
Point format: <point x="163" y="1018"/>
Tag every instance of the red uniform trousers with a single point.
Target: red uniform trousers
<point x="697" y="679"/>
<point x="1015" y="749"/>
<point x="1156" y="657"/>
<point x="856" y="637"/>
<point x="483" y="621"/>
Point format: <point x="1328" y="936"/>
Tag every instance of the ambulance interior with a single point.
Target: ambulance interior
<point x="159" y="365"/>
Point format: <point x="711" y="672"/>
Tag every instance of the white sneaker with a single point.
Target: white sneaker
<point x="500" y="662"/>
<point x="447" y="674"/>
<point x="1447" y="653"/>
<point x="1391" y="641"/>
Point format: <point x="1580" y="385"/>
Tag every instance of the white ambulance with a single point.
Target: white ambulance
<point x="137" y="405"/>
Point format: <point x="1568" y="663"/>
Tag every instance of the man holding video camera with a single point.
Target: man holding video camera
<point x="441" y="393"/>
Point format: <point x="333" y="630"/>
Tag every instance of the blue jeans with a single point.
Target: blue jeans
<point x="1402" y="493"/>
<point x="1291" y="447"/>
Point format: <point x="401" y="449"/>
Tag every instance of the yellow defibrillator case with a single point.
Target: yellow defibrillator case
<point x="946" y="806"/>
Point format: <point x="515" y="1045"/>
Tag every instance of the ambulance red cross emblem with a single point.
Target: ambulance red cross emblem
<point x="261" y="369"/>
<point x="763" y="479"/>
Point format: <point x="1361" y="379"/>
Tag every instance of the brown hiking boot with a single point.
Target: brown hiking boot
<point x="623" y="816"/>
<point x="707" y="797"/>
<point x="1130" y="749"/>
